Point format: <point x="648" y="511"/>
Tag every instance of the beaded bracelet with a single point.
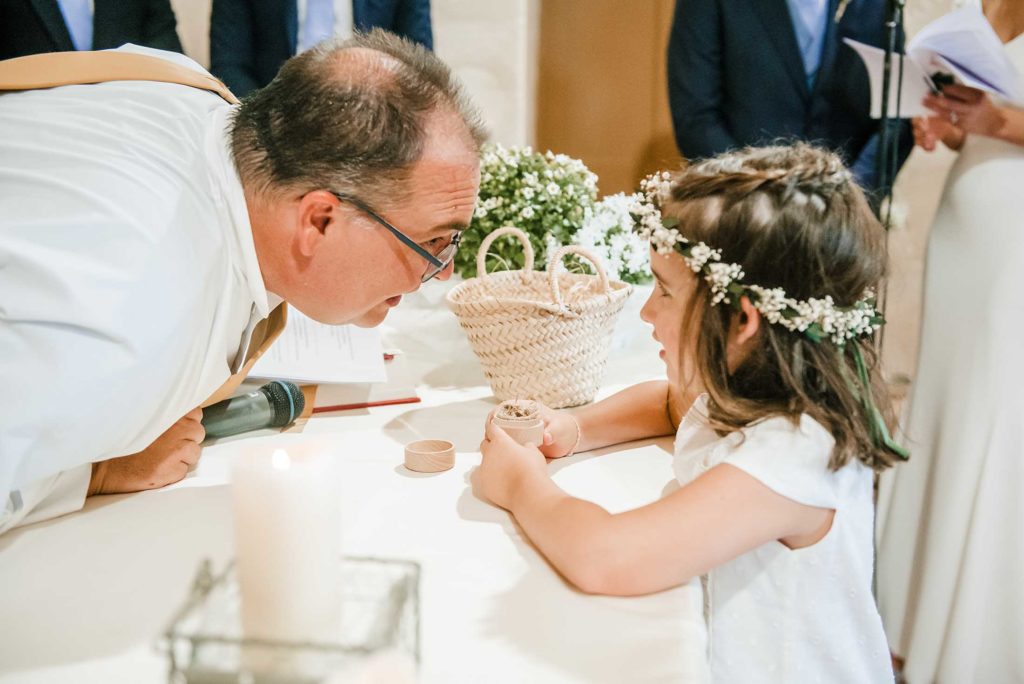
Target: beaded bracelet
<point x="579" y="436"/>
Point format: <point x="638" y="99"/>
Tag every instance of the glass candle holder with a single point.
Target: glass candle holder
<point x="205" y="642"/>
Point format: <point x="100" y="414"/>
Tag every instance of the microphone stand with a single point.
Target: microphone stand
<point x="886" y="164"/>
<point x="887" y="159"/>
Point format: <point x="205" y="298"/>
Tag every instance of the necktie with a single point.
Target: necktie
<point x="78" y="19"/>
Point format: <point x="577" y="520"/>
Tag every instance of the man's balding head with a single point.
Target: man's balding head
<point x="349" y="137"/>
<point x="353" y="116"/>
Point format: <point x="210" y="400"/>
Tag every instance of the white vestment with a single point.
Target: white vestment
<point x="127" y="276"/>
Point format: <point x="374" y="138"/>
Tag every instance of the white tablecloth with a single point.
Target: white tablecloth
<point x="85" y="597"/>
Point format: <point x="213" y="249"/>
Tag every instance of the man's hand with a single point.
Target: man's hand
<point x="163" y="462"/>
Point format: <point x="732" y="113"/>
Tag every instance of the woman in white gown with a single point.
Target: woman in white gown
<point x="951" y="532"/>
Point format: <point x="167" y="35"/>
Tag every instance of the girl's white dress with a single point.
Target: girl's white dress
<point x="951" y="521"/>
<point x="779" y="615"/>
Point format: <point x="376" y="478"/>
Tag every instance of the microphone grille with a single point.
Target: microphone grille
<point x="286" y="400"/>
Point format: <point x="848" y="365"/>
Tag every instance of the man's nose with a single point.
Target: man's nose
<point x="446" y="272"/>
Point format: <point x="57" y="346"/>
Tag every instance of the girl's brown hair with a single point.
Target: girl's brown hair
<point x="793" y="218"/>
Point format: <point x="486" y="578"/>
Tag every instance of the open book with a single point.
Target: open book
<point x="961" y="46"/>
<point x="308" y="351"/>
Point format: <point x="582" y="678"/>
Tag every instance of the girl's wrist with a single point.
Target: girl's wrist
<point x="527" y="487"/>
<point x="575" y="434"/>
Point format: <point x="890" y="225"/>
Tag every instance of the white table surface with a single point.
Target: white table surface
<point x="85" y="597"/>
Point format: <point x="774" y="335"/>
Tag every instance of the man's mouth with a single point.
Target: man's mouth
<point x="393" y="301"/>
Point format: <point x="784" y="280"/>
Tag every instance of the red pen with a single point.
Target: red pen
<point x="367" y="404"/>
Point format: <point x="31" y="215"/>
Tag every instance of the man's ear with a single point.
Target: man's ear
<point x="317" y="213"/>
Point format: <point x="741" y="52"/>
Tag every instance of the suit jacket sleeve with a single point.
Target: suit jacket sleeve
<point x="161" y="26"/>
<point x="232" y="49"/>
<point x="695" y="76"/>
<point x="412" y="20"/>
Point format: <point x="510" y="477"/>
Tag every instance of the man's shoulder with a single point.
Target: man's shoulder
<point x="166" y="55"/>
<point x="864" y="21"/>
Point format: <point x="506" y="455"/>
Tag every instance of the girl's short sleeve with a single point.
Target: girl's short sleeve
<point x="791" y="460"/>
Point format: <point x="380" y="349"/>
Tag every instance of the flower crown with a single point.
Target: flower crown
<point x="816" y="319"/>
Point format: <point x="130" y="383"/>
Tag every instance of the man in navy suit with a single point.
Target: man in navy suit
<point x="251" y="39"/>
<point x="749" y="72"/>
<point x="28" y="27"/>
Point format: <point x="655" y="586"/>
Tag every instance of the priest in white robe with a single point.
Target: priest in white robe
<point x="145" y="225"/>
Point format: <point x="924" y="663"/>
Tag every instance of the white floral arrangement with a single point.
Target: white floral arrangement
<point x="609" y="233"/>
<point x="546" y="195"/>
<point x="816" y="319"/>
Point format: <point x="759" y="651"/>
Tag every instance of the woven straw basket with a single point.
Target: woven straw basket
<point x="541" y="336"/>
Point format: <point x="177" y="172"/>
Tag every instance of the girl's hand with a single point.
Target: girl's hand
<point x="506" y="468"/>
<point x="969" y="109"/>
<point x="932" y="129"/>
<point x="561" y="433"/>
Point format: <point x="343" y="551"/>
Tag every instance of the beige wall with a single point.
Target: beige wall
<point x="601" y="91"/>
<point x="194" y="28"/>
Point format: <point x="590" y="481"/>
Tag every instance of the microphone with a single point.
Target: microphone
<point x="276" y="404"/>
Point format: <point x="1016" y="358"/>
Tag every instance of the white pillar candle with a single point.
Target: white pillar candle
<point x="288" y="542"/>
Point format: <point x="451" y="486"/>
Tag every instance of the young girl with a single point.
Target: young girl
<point x="764" y="261"/>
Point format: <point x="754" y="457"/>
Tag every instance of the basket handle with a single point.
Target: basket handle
<point x="481" y="254"/>
<point x="560" y="254"/>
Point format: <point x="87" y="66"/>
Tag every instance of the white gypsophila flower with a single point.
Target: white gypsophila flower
<point x="719" y="276"/>
<point x="665" y="239"/>
<point x="638" y="259"/>
<point x="539" y="193"/>
<point x="552" y="245"/>
<point x="656" y="187"/>
<point x="772" y="302"/>
<point x="608" y="233"/>
<point x="796" y="315"/>
<point x="700" y="254"/>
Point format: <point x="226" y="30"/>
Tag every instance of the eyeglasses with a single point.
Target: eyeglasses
<point x="435" y="262"/>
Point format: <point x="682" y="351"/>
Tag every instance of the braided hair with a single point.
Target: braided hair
<point x="793" y="218"/>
